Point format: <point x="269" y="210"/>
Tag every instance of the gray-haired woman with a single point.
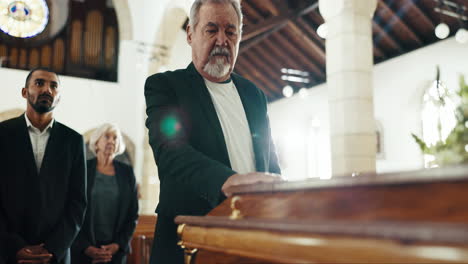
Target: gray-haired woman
<point x="112" y="202"/>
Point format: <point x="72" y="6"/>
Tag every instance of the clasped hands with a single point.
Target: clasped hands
<point x="102" y="254"/>
<point x="34" y="254"/>
<point x="248" y="178"/>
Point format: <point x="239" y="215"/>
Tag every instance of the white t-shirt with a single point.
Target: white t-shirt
<point x="231" y="115"/>
<point x="38" y="140"/>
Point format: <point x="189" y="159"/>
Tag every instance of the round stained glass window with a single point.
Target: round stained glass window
<point x="24" y="18"/>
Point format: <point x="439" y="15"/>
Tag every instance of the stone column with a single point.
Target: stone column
<point x="349" y="80"/>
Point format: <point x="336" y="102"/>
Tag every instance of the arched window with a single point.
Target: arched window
<point x="438" y="118"/>
<point x="81" y="39"/>
<point x="93" y="38"/>
<point x="75" y="41"/>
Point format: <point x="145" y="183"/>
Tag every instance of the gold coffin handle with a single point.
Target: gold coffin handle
<point x="235" y="213"/>
<point x="189" y="253"/>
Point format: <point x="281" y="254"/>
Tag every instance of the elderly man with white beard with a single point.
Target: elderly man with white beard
<point x="208" y="127"/>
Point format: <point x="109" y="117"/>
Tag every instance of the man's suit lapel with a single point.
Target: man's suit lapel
<point x="24" y="144"/>
<point x="250" y="104"/>
<point x="32" y="190"/>
<point x="206" y="103"/>
<point x="52" y="149"/>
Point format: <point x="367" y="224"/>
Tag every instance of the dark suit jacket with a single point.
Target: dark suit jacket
<point x="188" y="142"/>
<point x="2" y="237"/>
<point x="128" y="214"/>
<point x="46" y="207"/>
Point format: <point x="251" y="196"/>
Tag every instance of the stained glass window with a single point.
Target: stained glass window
<point x="23" y="19"/>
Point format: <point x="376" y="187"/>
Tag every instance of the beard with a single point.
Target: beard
<point x="41" y="105"/>
<point x="218" y="67"/>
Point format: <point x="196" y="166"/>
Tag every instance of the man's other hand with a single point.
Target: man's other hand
<point x="112" y="248"/>
<point x="98" y="255"/>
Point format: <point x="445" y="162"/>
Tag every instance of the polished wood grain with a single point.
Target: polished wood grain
<point x="444" y="201"/>
<point x="448" y="174"/>
<point x="142" y="240"/>
<point x="436" y="195"/>
<point x="274" y="247"/>
<point x="403" y="231"/>
<point x="211" y="257"/>
<point x="410" y="217"/>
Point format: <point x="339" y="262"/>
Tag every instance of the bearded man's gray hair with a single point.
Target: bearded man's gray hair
<point x="195" y="10"/>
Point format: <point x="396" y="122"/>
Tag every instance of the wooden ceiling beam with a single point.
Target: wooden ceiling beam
<point x="256" y="16"/>
<point x="252" y="13"/>
<point x="274" y="75"/>
<point x="280" y="5"/>
<point x="383" y="34"/>
<point x="422" y="14"/>
<point x="255" y="74"/>
<point x="312" y="31"/>
<point x="240" y="69"/>
<point x="269" y="5"/>
<point x="376" y="42"/>
<point x="311" y="44"/>
<point x="284" y="61"/>
<point x="276" y="71"/>
<point x="299" y="56"/>
<point x="397" y="19"/>
<point x="245" y="45"/>
<point x="259" y="69"/>
<point x="378" y="52"/>
<point x="314" y="19"/>
<point x="277" y="21"/>
<point x="275" y="65"/>
<point x="292" y="62"/>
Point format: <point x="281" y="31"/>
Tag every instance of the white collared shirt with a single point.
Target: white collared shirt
<point x="38" y="140"/>
<point x="231" y="115"/>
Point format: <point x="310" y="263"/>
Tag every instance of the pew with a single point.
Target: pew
<point x="409" y="217"/>
<point x="142" y="240"/>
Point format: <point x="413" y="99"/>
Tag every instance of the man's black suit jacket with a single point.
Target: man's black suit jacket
<point x="2" y="240"/>
<point x="188" y="142"/>
<point x="127" y="219"/>
<point x="46" y="207"/>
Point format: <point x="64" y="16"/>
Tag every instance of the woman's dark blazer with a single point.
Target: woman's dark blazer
<point x="127" y="219"/>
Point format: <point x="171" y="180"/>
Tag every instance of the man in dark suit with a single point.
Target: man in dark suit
<point x="43" y="179"/>
<point x="208" y="127"/>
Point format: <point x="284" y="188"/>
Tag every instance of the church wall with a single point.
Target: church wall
<point x="398" y="88"/>
<point x="182" y="53"/>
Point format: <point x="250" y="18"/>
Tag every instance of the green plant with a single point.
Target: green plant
<point x="454" y="149"/>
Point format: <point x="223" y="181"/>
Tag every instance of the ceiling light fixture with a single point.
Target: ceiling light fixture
<point x="442" y="31"/>
<point x="462" y="36"/>
<point x="288" y="91"/>
<point x="303" y="93"/>
<point x="294" y="79"/>
<point x="322" y="31"/>
<point x="295" y="72"/>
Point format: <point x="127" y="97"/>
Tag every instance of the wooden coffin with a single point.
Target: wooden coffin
<point x="410" y="217"/>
